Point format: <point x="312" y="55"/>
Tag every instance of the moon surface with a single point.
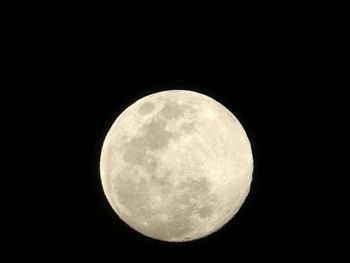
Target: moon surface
<point x="176" y="165"/>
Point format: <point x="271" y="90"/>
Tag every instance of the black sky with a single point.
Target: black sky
<point x="79" y="86"/>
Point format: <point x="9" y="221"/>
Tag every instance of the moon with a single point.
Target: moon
<point x="176" y="166"/>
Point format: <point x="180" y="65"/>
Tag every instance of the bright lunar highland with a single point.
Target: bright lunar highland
<point x="176" y="165"/>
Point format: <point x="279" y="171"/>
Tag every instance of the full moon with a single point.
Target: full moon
<point x="176" y="165"/>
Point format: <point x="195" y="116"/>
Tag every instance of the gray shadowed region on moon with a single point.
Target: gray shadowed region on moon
<point x="176" y="165"/>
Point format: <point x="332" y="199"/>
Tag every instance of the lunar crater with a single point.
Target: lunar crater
<point x="146" y="108"/>
<point x="172" y="110"/>
<point x="149" y="199"/>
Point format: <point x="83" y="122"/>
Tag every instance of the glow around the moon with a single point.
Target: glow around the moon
<point x="176" y="165"/>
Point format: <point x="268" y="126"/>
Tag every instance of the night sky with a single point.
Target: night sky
<point x="79" y="87"/>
